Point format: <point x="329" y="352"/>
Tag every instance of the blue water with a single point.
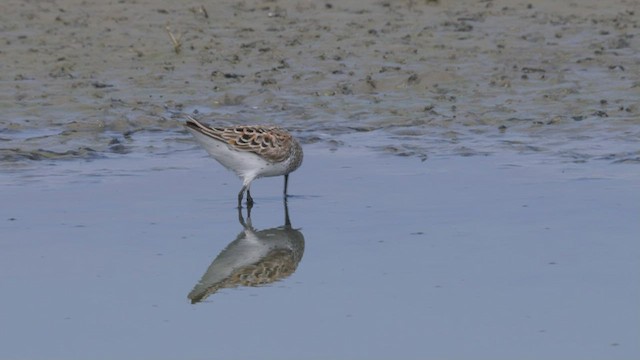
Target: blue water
<point x="454" y="257"/>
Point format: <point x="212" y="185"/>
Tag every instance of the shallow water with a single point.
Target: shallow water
<point x="470" y="186"/>
<point x="402" y="259"/>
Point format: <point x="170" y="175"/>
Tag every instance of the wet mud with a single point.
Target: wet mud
<point x="91" y="79"/>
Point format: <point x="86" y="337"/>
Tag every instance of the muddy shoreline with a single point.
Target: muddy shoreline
<point x="84" y="80"/>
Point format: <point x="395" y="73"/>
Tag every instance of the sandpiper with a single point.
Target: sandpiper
<point x="251" y="151"/>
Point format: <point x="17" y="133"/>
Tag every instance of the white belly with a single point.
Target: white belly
<point x="245" y="164"/>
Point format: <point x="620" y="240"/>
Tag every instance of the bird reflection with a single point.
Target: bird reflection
<point x="254" y="258"/>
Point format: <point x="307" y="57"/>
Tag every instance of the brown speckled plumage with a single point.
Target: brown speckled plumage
<point x="251" y="151"/>
<point x="272" y="143"/>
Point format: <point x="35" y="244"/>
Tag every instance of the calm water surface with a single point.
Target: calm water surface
<point x="392" y="257"/>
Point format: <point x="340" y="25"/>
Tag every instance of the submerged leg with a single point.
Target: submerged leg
<point x="247" y="224"/>
<point x="287" y="221"/>
<point x="246" y="186"/>
<point x="241" y="218"/>
<point x="240" y="195"/>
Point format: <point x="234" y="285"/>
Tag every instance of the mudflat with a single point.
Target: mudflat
<point x="86" y="78"/>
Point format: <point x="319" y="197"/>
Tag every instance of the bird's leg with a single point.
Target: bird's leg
<point x="286" y="183"/>
<point x="249" y="198"/>
<point x="240" y="195"/>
